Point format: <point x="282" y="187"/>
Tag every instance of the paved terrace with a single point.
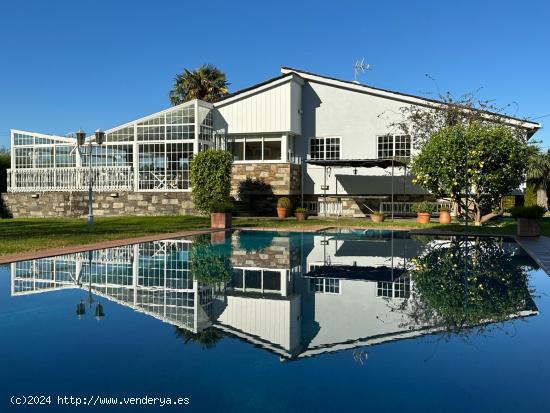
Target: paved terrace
<point x="539" y="249"/>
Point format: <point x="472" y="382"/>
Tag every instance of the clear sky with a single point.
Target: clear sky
<point x="96" y="64"/>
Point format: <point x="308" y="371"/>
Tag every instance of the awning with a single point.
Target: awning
<point x="354" y="272"/>
<point x="357" y="163"/>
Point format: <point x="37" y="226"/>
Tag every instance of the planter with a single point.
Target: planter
<point x="528" y="227"/>
<point x="423" y="217"/>
<point x="221" y="220"/>
<point x="300" y="216"/>
<point x="444" y="217"/>
<point x="283" y="213"/>
<point x="377" y="218"/>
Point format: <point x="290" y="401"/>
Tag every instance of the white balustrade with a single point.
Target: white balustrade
<point x="105" y="178"/>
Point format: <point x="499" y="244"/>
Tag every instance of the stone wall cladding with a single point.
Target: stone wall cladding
<point x="75" y="204"/>
<point x="283" y="178"/>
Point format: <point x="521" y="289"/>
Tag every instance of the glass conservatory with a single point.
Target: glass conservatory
<point x="148" y="154"/>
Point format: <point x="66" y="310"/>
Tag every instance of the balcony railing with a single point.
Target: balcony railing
<point x="105" y="178"/>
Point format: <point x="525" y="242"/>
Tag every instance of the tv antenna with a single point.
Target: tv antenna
<point x="359" y="68"/>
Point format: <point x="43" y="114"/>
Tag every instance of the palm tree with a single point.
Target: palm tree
<point x="538" y="175"/>
<point x="207" y="83"/>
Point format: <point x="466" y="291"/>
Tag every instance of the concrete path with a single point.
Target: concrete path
<point x="23" y="256"/>
<point x="538" y="248"/>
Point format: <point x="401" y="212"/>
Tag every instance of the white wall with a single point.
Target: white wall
<point x="268" y="110"/>
<point x="357" y="118"/>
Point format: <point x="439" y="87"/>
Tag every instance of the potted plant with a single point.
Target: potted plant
<point x="377" y="216"/>
<point x="423" y="211"/>
<point x="220" y="215"/>
<point x="301" y="214"/>
<point x="528" y="220"/>
<point x="444" y="216"/>
<point x="283" y="207"/>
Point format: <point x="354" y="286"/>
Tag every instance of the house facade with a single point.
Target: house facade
<point x="275" y="131"/>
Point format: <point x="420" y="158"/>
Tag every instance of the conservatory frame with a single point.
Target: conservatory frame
<point x="149" y="154"/>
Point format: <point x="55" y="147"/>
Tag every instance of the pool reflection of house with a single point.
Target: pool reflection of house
<point x="295" y="295"/>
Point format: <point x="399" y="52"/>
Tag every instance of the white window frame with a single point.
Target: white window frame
<point x="258" y="138"/>
<point x="324" y="138"/>
<point x="383" y="135"/>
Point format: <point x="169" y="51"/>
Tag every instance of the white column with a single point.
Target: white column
<point x="284" y="148"/>
<point x="135" y="160"/>
<point x="196" y="145"/>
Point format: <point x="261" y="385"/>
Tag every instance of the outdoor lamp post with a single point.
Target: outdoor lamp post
<point x="81" y="307"/>
<point x="81" y="142"/>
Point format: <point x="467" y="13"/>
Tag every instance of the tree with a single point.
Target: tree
<point x="211" y="180"/>
<point x="466" y="282"/>
<point x="207" y="83"/>
<point x="422" y="121"/>
<point x="5" y="163"/>
<point x="484" y="161"/>
<point x="538" y="174"/>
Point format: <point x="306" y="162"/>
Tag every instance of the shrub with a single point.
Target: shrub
<point x="211" y="179"/>
<point x="532" y="212"/>
<point x="284" y="202"/>
<point x="302" y="210"/>
<point x="377" y="213"/>
<point x="444" y="209"/>
<point x="224" y="206"/>
<point x="423" y="207"/>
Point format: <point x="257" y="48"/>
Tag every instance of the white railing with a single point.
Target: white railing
<point x="105" y="178"/>
<point x="405" y="208"/>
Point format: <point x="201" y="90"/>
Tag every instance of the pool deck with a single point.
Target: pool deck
<point x="538" y="248"/>
<point x="73" y="249"/>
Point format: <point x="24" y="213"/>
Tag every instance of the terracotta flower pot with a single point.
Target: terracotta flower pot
<point x="283" y="213"/>
<point x="220" y="220"/>
<point x="301" y="216"/>
<point x="377" y="218"/>
<point x="444" y="217"/>
<point x="423" y="217"/>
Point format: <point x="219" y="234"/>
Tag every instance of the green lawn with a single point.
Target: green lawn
<point x="19" y="235"/>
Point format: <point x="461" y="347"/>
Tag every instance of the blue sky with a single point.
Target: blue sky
<point x="96" y="64"/>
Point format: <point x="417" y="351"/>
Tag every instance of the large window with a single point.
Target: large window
<point x="324" y="285"/>
<point x="164" y="165"/>
<point x="324" y="148"/>
<point x="255" y="148"/>
<point x="394" y="146"/>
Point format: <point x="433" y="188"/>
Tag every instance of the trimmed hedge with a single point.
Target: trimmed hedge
<point x="210" y="178"/>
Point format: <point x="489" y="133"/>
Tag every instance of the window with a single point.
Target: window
<point x="255" y="148"/>
<point x="384" y="289"/>
<point x="324" y="285"/>
<point x="398" y="146"/>
<point x="324" y="148"/>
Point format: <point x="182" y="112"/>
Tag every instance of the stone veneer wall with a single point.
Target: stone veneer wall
<point x="75" y="204"/>
<point x="283" y="178"/>
<point x="266" y="183"/>
<point x="278" y="255"/>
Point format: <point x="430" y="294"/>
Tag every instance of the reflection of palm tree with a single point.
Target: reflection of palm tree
<point x="206" y="339"/>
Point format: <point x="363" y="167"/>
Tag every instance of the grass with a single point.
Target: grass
<point x="23" y="235"/>
<point x="33" y="234"/>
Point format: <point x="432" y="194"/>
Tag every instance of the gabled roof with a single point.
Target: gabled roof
<point x="404" y="97"/>
<point x="274" y="81"/>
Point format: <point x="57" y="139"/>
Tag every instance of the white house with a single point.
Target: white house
<point x="274" y="129"/>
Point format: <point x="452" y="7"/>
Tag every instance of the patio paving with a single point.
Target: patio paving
<point x="539" y="249"/>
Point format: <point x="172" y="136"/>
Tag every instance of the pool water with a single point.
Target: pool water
<point x="266" y="321"/>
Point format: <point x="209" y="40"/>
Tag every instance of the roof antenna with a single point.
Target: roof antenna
<point x="359" y="68"/>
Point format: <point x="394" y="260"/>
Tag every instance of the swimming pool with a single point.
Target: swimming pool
<point x="269" y="321"/>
